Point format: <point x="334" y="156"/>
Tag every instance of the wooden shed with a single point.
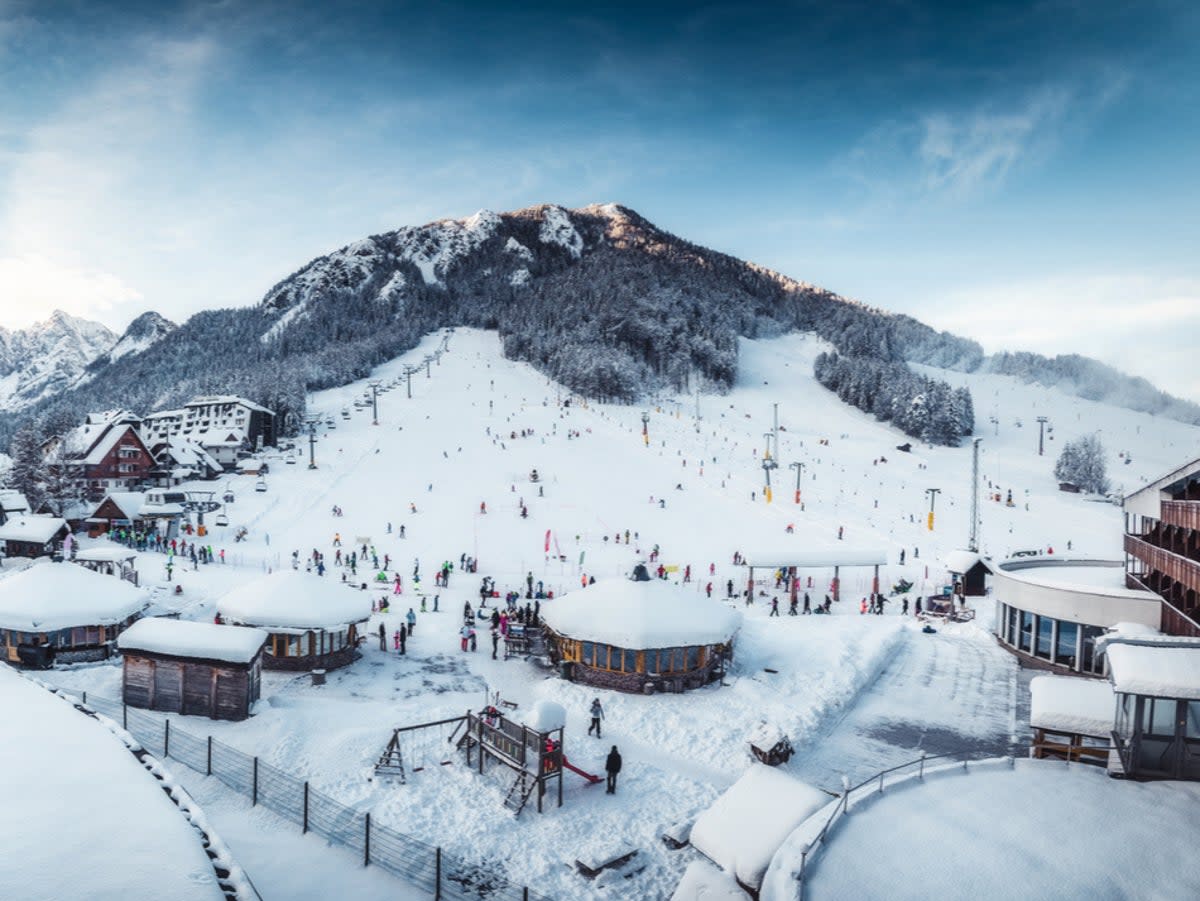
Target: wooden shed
<point x="970" y="571"/>
<point x="197" y="669"/>
<point x="30" y="535"/>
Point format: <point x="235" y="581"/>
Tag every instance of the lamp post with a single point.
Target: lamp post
<point x="428" y="371"/>
<point x="374" y="401"/>
<point x="933" y="493"/>
<point x="799" y="467"/>
<point x="1041" y="421"/>
<point x="645" y="428"/>
<point x="408" y="371"/>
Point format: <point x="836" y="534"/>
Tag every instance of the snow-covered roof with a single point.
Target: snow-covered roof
<point x="294" y="600"/>
<point x="104" y="553"/>
<point x="32" y="528"/>
<point x="701" y="880"/>
<point x="183" y="638"/>
<point x="101" y="448"/>
<point x="59" y="846"/>
<point x="49" y="596"/>
<point x="1071" y="704"/>
<point x="210" y="400"/>
<point x="13" y="501"/>
<point x="640" y="615"/>
<point x="744" y="827"/>
<point x="808" y="555"/>
<point x="1102" y="577"/>
<point x="1188" y="470"/>
<point x="960" y="561"/>
<point x="186" y="452"/>
<point x="1140" y="634"/>
<point x="1155" y="671"/>
<point x="128" y="502"/>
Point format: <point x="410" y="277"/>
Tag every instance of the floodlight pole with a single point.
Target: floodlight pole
<point x="375" y="401"/>
<point x="408" y="378"/>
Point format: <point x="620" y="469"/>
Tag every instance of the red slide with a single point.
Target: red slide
<point x="574" y="769"/>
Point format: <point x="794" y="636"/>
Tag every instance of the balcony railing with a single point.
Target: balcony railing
<point x="1181" y="513"/>
<point x="1173" y="621"/>
<point x="1175" y="566"/>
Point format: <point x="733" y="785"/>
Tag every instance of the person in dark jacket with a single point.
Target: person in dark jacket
<point x="612" y="766"/>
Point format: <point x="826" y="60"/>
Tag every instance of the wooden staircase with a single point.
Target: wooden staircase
<point x="518" y="795"/>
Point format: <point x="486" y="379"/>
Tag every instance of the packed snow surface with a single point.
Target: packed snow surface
<point x="744" y="827"/>
<point x="854" y="693"/>
<point x="183" y="638"/>
<point x="84" y="818"/>
<point x="641" y="615"/>
<point x="1037" y="829"/>
<point x="1155" y="671"/>
<point x="49" y="596"/>
<point x="1071" y="704"/>
<point x="293" y="600"/>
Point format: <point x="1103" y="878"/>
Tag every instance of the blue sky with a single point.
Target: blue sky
<point x="1024" y="174"/>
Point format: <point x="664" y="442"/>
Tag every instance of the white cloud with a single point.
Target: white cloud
<point x="1140" y="324"/>
<point x="33" y="286"/>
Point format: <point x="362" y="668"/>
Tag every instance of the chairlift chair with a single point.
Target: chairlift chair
<point x="222" y="520"/>
<point x="260" y="485"/>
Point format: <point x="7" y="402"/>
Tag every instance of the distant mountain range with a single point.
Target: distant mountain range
<point x="597" y="298"/>
<point x="41" y="362"/>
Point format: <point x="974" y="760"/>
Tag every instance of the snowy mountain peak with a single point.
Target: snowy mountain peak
<point x="47" y="357"/>
<point x="144" y="331"/>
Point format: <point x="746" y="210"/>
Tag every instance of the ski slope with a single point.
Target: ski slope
<point x="472" y="432"/>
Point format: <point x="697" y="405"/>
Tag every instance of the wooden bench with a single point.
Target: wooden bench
<point x="609" y="858"/>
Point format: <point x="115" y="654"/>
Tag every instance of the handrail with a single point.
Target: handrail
<point x="840" y="809"/>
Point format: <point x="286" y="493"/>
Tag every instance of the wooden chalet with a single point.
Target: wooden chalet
<point x="118" y="509"/>
<point x="12" y="503"/>
<point x="31" y="535"/>
<point x="65" y="612"/>
<point x="969" y="571"/>
<point x="313" y="622"/>
<point x="640" y="635"/>
<point x="104" y="453"/>
<point x="195" y="669"/>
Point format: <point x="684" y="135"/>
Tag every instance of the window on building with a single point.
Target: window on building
<point x="1045" y="636"/>
<point x="1092" y="660"/>
<point x="1026" y="642"/>
<point x="1065" y="647"/>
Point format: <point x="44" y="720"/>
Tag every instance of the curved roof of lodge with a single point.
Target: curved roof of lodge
<point x="294" y="600"/>
<point x="641" y="615"/>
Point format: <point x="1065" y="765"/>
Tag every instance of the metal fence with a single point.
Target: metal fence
<point x="417" y="862"/>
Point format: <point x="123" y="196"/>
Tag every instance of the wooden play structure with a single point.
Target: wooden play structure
<point x="534" y="758"/>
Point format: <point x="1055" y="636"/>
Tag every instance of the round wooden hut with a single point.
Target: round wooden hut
<point x="640" y="635"/>
<point x="62" y="611"/>
<point x="313" y="622"/>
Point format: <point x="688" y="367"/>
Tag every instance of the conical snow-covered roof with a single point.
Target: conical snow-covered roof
<point x="294" y="600"/>
<point x="641" y="615"/>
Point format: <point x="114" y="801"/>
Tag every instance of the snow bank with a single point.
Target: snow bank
<point x="85" y="819"/>
<point x="998" y="831"/>
<point x="295" y="601"/>
<point x="641" y="615"/>
<point x="1157" y="672"/>
<point x="182" y="638"/>
<point x="1071" y="704"/>
<point x="701" y="880"/>
<point x="745" y="827"/>
<point x="49" y="596"/>
<point x="546" y="716"/>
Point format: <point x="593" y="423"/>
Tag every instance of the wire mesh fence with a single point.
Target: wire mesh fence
<point x="417" y="862"/>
